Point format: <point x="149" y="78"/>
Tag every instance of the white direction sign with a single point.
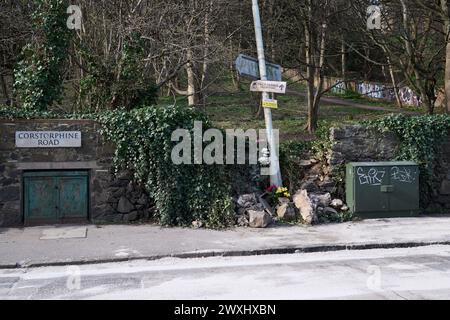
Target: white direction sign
<point x="268" y="86"/>
<point x="48" y="139"/>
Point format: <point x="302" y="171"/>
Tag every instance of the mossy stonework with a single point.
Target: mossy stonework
<point x="111" y="198"/>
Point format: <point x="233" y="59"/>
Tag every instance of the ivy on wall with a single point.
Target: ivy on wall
<point x="182" y="193"/>
<point x="420" y="138"/>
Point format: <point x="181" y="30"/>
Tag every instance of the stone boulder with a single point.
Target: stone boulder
<point x="242" y="221"/>
<point x="286" y="212"/>
<point x="197" y="224"/>
<point x="445" y="187"/>
<point x="283" y="200"/>
<point x="247" y="200"/>
<point x="124" y="205"/>
<point x="322" y="200"/>
<point x="337" y="204"/>
<point x="330" y="211"/>
<point x="328" y="215"/>
<point x="316" y="207"/>
<point x="309" y="186"/>
<point x="259" y="219"/>
<point x="306" y="206"/>
<point x="130" y="217"/>
<point x="306" y="163"/>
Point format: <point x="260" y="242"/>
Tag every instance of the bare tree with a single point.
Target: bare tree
<point x="15" y="31"/>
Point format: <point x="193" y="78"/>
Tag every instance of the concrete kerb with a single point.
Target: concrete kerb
<point x="231" y="253"/>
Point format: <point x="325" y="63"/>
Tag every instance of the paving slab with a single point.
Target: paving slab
<point x="109" y="243"/>
<point x="63" y="233"/>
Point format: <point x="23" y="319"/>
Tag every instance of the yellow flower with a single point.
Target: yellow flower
<point x="283" y="191"/>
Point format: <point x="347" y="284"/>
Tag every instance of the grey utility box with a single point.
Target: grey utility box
<point x="383" y="189"/>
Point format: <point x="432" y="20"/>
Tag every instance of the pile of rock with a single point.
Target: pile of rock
<point x="318" y="207"/>
<point x="252" y="211"/>
<point x="255" y="212"/>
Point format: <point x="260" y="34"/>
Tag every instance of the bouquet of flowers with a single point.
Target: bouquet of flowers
<point x="275" y="193"/>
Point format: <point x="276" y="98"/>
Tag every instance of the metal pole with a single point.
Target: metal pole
<point x="275" y="178"/>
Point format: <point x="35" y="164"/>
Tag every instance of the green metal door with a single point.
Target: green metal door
<point x="404" y="180"/>
<point x="366" y="182"/>
<point x="55" y="196"/>
<point x="40" y="198"/>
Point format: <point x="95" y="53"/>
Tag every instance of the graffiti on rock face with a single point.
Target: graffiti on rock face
<point x="408" y="97"/>
<point x="380" y="91"/>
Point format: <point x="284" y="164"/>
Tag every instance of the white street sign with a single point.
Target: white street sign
<point x="48" y="139"/>
<point x="268" y="86"/>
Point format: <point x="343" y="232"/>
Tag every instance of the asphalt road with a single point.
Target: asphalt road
<point x="416" y="273"/>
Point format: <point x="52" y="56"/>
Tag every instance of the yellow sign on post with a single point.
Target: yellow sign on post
<point x="270" y="103"/>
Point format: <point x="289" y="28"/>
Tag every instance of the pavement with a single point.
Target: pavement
<point x="67" y="245"/>
<point x="387" y="274"/>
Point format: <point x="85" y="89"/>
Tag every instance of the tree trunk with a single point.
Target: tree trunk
<point x="191" y="86"/>
<point x="321" y="76"/>
<point x="344" y="63"/>
<point x="4" y="87"/>
<point x="207" y="36"/>
<point x="445" y="14"/>
<point x="394" y="83"/>
<point x="310" y="73"/>
<point x="447" y="77"/>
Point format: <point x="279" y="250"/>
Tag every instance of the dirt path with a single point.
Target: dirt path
<point x="345" y="102"/>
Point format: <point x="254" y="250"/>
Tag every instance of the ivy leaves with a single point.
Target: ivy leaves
<point x="39" y="75"/>
<point x="182" y="193"/>
<point x="421" y="138"/>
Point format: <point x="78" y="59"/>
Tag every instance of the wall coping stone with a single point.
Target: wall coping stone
<point x="58" y="165"/>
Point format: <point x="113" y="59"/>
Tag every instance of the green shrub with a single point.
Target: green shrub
<point x="182" y="193"/>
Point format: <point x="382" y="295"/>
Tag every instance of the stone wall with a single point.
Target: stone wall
<point x="359" y="144"/>
<point x="355" y="143"/>
<point x="442" y="177"/>
<point x="112" y="198"/>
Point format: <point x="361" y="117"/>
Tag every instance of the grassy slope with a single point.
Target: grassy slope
<point x="233" y="110"/>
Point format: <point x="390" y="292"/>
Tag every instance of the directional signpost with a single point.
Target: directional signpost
<point x="268" y="86"/>
<point x="275" y="177"/>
